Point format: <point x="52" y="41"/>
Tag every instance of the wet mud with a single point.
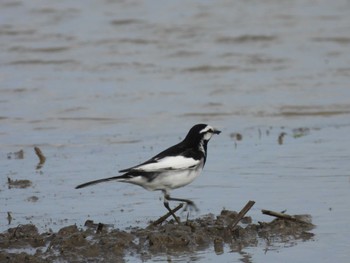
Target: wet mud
<point x="100" y="242"/>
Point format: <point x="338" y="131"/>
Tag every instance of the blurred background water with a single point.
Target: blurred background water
<point x="103" y="85"/>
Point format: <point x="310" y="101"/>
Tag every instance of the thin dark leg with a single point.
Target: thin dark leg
<point x="188" y="202"/>
<point x="166" y="204"/>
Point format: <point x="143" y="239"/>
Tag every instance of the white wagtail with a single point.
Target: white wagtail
<point x="174" y="167"/>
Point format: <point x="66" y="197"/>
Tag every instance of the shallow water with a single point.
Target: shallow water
<point x="100" y="86"/>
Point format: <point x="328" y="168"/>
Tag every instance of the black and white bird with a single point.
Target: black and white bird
<point x="174" y="167"/>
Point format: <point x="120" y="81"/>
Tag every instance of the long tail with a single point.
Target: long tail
<point x="102" y="180"/>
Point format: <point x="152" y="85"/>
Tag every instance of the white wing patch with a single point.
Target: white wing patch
<point x="168" y="163"/>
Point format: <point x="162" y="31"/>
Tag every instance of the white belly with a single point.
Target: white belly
<point x="168" y="180"/>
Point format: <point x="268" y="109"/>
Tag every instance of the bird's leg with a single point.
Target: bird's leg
<point x="188" y="202"/>
<point x="166" y="204"/>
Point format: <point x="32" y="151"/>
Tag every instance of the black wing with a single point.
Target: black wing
<point x="179" y="149"/>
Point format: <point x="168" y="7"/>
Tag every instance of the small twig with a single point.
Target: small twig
<point x="242" y="213"/>
<point x="164" y="217"/>
<point x="282" y="216"/>
<point x="41" y="157"/>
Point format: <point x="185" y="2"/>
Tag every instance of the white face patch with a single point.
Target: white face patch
<point x="207" y="134"/>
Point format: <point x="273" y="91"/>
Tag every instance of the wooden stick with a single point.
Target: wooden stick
<point x="242" y="213"/>
<point x="164" y="217"/>
<point x="282" y="216"/>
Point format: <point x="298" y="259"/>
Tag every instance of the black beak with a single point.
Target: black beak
<point x="216" y="132"/>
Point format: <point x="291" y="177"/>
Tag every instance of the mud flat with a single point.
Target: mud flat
<point x="98" y="242"/>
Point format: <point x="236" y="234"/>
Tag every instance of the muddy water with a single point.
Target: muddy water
<point x="100" y="86"/>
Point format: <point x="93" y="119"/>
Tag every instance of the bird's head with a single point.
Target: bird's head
<point x="201" y="134"/>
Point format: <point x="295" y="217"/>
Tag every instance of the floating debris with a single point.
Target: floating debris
<point x="41" y="157"/>
<point x="16" y="155"/>
<point x="18" y="183"/>
<point x="236" y="136"/>
<point x="281" y="137"/>
<point x="300" y="132"/>
<point x="9" y="218"/>
<point x="33" y="199"/>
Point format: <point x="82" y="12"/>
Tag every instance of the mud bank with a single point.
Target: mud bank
<point x="97" y="242"/>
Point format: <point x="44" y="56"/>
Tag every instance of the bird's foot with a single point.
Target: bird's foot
<point x="190" y="206"/>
